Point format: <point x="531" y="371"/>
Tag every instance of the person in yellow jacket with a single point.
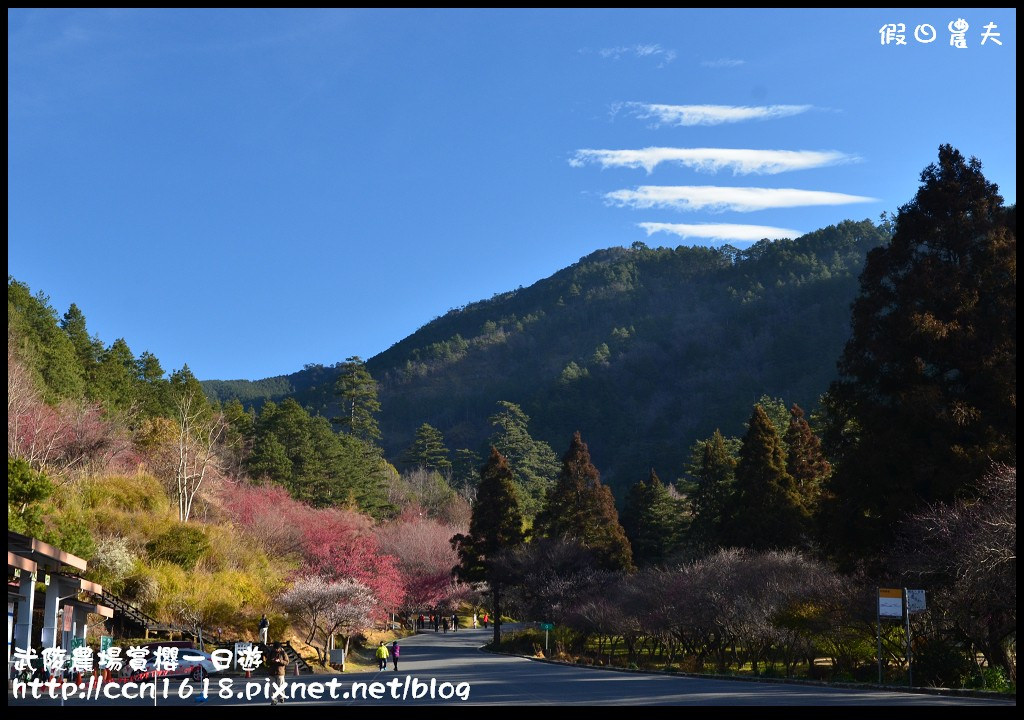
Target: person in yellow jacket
<point x="382" y="655"/>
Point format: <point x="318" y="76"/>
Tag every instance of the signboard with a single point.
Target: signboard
<point x="106" y="642"/>
<point x="915" y="601"/>
<point x="547" y="626"/>
<point x="77" y="642"/>
<point x="67" y="618"/>
<point x="890" y="602"/>
<point x="241" y="647"/>
<point x="338" y="657"/>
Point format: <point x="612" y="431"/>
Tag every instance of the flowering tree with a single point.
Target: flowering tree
<point x="325" y="608"/>
<point x="425" y="559"/>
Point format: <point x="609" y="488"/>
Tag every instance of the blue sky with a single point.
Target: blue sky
<point x="250" y="191"/>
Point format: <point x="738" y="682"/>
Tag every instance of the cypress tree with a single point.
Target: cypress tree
<point x="652" y="521"/>
<point x="715" y="470"/>
<point x="580" y="507"/>
<point x="804" y="460"/>
<point x="766" y="511"/>
<point x="926" y="397"/>
<point x="496" y="524"/>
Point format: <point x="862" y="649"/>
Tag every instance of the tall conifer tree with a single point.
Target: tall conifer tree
<point x="496" y="525"/>
<point x="580" y="507"/>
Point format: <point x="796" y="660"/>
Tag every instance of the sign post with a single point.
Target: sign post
<point x="915" y="603"/>
<point x="890" y="604"/>
<point x="546" y="627"/>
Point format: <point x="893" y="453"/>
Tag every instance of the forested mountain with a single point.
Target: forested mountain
<point x="643" y="350"/>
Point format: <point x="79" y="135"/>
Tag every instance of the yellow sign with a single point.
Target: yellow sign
<point x="890" y="602"/>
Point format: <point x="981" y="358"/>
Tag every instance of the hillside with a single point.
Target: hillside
<point x="643" y="350"/>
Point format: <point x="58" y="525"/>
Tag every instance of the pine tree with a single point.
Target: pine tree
<point x="533" y="462"/>
<point x="652" y="520"/>
<point x="578" y="506"/>
<point x="428" y="450"/>
<point x="88" y="349"/>
<point x="358" y="392"/>
<point x="804" y="460"/>
<point x="926" y="397"/>
<point x="496" y="525"/>
<point x="766" y="511"/>
<point x="115" y="379"/>
<point x="714" y="467"/>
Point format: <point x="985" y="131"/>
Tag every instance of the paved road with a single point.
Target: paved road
<point x="456" y="659"/>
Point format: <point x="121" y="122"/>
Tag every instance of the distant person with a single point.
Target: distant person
<point x="278" y="664"/>
<point x="437" y="623"/>
<point x="382" y="655"/>
<point x="486" y="617"/>
<point x="395" y="650"/>
<point x="264" y="629"/>
<point x="444" y="623"/>
<point x="455" y="622"/>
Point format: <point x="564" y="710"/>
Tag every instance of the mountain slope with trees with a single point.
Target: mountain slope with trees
<point x="644" y="350"/>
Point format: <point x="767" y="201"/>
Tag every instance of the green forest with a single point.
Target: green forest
<point x="824" y="414"/>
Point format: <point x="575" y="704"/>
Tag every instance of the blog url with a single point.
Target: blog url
<point x="249" y="690"/>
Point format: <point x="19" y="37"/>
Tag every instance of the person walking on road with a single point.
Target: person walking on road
<point x="382" y="655"/>
<point x="455" y="622"/>
<point x="444" y="623"/>
<point x="264" y="629"/>
<point x="278" y="663"/>
<point x="486" y="617"/>
<point x="395" y="650"/>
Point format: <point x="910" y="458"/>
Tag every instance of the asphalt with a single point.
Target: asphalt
<point x="454" y="664"/>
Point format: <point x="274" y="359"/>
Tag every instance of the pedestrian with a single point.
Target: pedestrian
<point x="264" y="629"/>
<point x="278" y="664"/>
<point x="382" y="655"/>
<point x="486" y="616"/>
<point x="437" y="622"/>
<point x="395" y="650"/>
<point x="444" y="623"/>
<point x="455" y="622"/>
<point x="474" y="621"/>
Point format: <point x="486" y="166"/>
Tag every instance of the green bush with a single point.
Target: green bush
<point x="182" y="545"/>
<point x="940" y="662"/>
<point x="991" y="678"/>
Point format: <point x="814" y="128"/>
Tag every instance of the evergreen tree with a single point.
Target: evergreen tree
<point x="358" y="392"/>
<point x="154" y="391"/>
<point x="533" y="462"/>
<point x="88" y="349"/>
<point x="578" y="506"/>
<point x="713" y="465"/>
<point x="652" y="520"/>
<point x="926" y="396"/>
<point x="269" y="460"/>
<point x="40" y="343"/>
<point x="115" y="380"/>
<point x="428" y="450"/>
<point x="804" y="460"/>
<point x="766" y="512"/>
<point x="465" y="472"/>
<point x="27" y="490"/>
<point x="496" y="525"/>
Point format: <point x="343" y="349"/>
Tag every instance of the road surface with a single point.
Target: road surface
<point x="458" y="667"/>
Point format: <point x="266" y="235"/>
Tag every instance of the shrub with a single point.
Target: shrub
<point x="182" y="545"/>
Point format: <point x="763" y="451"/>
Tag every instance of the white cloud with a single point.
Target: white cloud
<point x="712" y="114"/>
<point x="722" y="63"/>
<point x="741" y="162"/>
<point x="640" y="51"/>
<point x="720" y="231"/>
<point x="717" y="199"/>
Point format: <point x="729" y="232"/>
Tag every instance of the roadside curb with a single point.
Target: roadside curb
<point x="954" y="692"/>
